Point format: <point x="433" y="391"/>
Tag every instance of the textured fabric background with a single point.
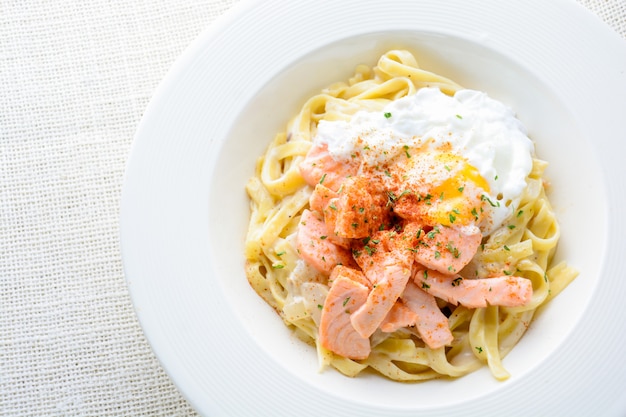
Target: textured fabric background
<point x="75" y="78"/>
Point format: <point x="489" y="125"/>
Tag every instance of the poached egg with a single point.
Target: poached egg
<point x="454" y="152"/>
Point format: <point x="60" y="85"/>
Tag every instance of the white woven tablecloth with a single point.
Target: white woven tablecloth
<point x="75" y="79"/>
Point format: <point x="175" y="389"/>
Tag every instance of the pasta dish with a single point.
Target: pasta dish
<point x="400" y="223"/>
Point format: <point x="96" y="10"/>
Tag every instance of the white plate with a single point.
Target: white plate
<point x="184" y="209"/>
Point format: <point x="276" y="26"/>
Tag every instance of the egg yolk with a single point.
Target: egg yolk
<point x="457" y="195"/>
<point x="450" y="189"/>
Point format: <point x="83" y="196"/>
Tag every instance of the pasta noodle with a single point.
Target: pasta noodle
<point x="279" y="195"/>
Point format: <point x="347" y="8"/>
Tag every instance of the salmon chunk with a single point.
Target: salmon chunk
<point x="432" y="325"/>
<point x="507" y="291"/>
<point x="324" y="200"/>
<point x="418" y="308"/>
<point x="361" y="208"/>
<point x="388" y="268"/>
<point x="398" y="317"/>
<point x="348" y="272"/>
<point x="319" y="167"/>
<point x="320" y="198"/>
<point x="314" y="246"/>
<point x="336" y="332"/>
<point x="373" y="253"/>
<point x="447" y="249"/>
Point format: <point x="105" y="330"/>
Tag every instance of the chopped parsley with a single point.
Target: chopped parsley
<point x="403" y="193"/>
<point x="487" y="199"/>
<point x="369" y="250"/>
<point x="453" y="250"/>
